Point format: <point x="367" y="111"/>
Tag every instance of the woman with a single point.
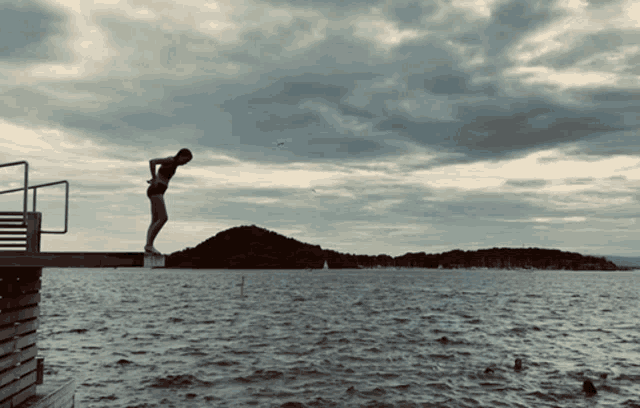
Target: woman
<point x="156" y="190"/>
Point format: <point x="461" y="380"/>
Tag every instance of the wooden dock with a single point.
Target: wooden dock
<point x="22" y="380"/>
<point x="21" y="384"/>
<point x="52" y="393"/>
<point x="19" y="368"/>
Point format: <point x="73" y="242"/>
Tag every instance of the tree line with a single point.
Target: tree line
<point x="251" y="247"/>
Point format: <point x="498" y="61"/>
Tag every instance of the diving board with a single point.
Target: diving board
<point x="72" y="259"/>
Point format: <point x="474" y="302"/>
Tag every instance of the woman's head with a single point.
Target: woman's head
<point x="183" y="156"/>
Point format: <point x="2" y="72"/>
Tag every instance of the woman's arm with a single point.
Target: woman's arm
<point x="153" y="162"/>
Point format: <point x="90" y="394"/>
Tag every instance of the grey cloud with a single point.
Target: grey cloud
<point x="351" y="147"/>
<point x="240" y="56"/>
<point x="602" y="3"/>
<point x="409" y="12"/>
<point x="579" y="181"/>
<point x="430" y="66"/>
<point x="610" y="144"/>
<point x="157" y="46"/>
<point x="273" y="102"/>
<point x="213" y="105"/>
<point x="611" y="211"/>
<point x="500" y="133"/>
<point x="470" y="38"/>
<point x="544" y="160"/>
<point x="458" y="18"/>
<point x="451" y="83"/>
<point x="296" y="121"/>
<point x="493" y="129"/>
<point x="108" y="86"/>
<point x="286" y="35"/>
<point x="445" y="85"/>
<point x="433" y="134"/>
<point x="521" y="14"/>
<point x="263" y="49"/>
<point x="616" y="96"/>
<point x="25" y="31"/>
<point x="263" y="192"/>
<point x="588" y="194"/>
<point x="351" y="111"/>
<point x="438" y="77"/>
<point x="341" y="5"/>
<point x="471" y="207"/>
<point x="23" y="105"/>
<point x="603" y="41"/>
<point x="229" y="205"/>
<point x="294" y="92"/>
<point x="149" y="121"/>
<point x="533" y="183"/>
<point x="205" y="109"/>
<point x="488" y="132"/>
<point x="510" y="20"/>
<point x="595" y="153"/>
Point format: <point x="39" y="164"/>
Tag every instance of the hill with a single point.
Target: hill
<point x="251" y="247"/>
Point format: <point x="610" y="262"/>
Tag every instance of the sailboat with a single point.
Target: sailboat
<point x="326" y="265"/>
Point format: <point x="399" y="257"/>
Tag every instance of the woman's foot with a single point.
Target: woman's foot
<point x="150" y="249"/>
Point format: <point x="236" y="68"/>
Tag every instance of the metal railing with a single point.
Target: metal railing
<point x="26" y="182"/>
<point x="25" y="188"/>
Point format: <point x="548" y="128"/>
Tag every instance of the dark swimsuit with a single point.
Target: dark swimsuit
<point x="159" y="188"/>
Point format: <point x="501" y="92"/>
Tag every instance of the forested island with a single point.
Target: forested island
<point x="251" y="247"/>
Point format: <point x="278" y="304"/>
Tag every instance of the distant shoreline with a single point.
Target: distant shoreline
<point x="251" y="247"/>
<point x="621" y="268"/>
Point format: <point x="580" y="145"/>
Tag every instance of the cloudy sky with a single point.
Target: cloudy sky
<point x="361" y="126"/>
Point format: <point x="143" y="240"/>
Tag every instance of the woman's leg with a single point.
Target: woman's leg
<point x="158" y="218"/>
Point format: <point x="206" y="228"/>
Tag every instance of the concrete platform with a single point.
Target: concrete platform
<point x="154" y="261"/>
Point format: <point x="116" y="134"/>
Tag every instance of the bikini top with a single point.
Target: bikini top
<point x="167" y="170"/>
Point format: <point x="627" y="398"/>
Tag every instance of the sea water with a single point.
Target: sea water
<point x="137" y="337"/>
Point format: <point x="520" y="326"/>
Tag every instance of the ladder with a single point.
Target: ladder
<point x="13" y="231"/>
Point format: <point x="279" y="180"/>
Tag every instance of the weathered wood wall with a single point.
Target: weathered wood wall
<point x="19" y="311"/>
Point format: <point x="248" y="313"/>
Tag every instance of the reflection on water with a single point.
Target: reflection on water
<point x="186" y="338"/>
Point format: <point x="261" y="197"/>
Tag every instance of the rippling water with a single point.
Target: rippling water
<point x="343" y="338"/>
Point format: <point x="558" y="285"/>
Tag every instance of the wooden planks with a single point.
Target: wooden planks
<point x="18" y="329"/>
<point x="17" y="389"/>
<point x="21" y="397"/>
<point x="19" y="311"/>
<point x="12" y="359"/>
<point x="28" y="299"/>
<point x="31" y="231"/>
<point x="13" y="233"/>
<point x="20" y="281"/>
<point x="14" y="316"/>
<point x="17" y="281"/>
<point x="18" y="288"/>
<point x="20" y="273"/>
<point x="15" y="373"/>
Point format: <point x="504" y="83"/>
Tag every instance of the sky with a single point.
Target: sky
<point x="366" y="127"/>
